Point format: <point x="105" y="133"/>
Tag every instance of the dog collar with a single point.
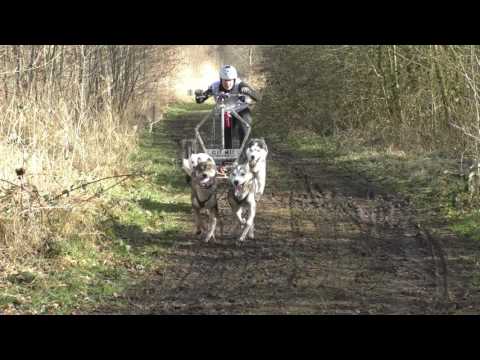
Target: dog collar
<point x="239" y="202"/>
<point x="207" y="187"/>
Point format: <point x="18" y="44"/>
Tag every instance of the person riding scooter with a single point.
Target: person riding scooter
<point x="230" y="84"/>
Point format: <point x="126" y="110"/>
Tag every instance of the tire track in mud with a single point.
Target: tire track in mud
<point x="325" y="243"/>
<point x="378" y="223"/>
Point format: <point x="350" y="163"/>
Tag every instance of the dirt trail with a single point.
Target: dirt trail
<point x="326" y="243"/>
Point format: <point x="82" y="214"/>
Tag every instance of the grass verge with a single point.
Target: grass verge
<point x="137" y="222"/>
<point x="419" y="177"/>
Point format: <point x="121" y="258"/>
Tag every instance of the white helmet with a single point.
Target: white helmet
<point x="228" y="72"/>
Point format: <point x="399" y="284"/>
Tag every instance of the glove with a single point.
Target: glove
<point x="200" y="99"/>
<point x="245" y="90"/>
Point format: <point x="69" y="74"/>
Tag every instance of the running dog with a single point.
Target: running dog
<point x="201" y="167"/>
<point x="241" y="197"/>
<point x="255" y="154"/>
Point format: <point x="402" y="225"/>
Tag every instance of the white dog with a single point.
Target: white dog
<point x="256" y="152"/>
<point x="241" y="197"/>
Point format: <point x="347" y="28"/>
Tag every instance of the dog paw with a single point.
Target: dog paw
<point x="207" y="238"/>
<point x="239" y="243"/>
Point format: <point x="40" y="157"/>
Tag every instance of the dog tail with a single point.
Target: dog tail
<point x="186" y="167"/>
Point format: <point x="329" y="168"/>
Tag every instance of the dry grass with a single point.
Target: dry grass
<point x="57" y="148"/>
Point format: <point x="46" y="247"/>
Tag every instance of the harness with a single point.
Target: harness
<point x="202" y="203"/>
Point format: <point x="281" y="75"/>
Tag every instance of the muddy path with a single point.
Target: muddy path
<point x="326" y="242"/>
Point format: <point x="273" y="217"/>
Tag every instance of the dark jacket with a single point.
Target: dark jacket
<point x="243" y="88"/>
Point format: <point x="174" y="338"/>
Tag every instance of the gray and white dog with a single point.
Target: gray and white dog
<point x="241" y="197"/>
<point x="201" y="167"/>
<point x="255" y="153"/>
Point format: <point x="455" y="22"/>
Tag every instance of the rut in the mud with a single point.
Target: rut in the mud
<point x="325" y="243"/>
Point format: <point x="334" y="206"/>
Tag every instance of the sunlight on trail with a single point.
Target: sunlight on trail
<point x="190" y="78"/>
